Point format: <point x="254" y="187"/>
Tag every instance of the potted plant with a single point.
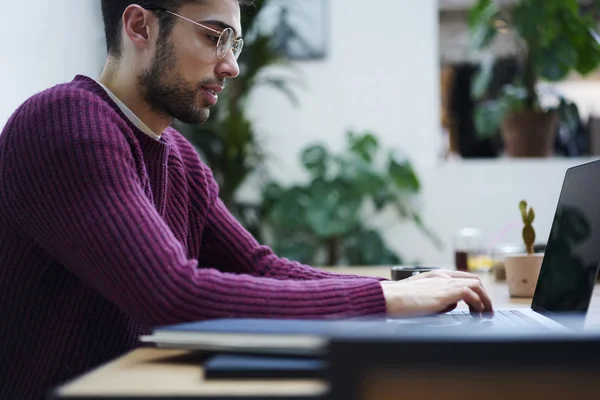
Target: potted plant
<point x="554" y="39"/>
<point x="327" y="220"/>
<point x="522" y="270"/>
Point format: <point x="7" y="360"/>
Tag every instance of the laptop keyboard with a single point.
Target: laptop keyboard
<point x="505" y="318"/>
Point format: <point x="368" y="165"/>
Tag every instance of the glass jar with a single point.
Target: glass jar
<point x="469" y="253"/>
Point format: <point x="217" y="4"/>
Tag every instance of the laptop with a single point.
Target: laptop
<point x="569" y="269"/>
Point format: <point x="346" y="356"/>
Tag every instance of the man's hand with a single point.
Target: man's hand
<point x="434" y="292"/>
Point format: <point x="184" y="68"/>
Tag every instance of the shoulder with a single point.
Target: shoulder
<point x="68" y="112"/>
<point x="73" y="99"/>
<point x="66" y="127"/>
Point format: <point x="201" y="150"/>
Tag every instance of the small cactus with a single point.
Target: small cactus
<point x="528" y="231"/>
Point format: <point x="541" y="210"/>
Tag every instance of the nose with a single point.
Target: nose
<point x="228" y="66"/>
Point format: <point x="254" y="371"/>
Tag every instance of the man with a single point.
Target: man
<point x="111" y="225"/>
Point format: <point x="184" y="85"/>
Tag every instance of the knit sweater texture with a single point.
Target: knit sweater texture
<point x="106" y="233"/>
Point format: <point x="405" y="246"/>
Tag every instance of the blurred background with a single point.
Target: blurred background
<point x="380" y="132"/>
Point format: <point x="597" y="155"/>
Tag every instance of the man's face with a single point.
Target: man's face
<point x="185" y="72"/>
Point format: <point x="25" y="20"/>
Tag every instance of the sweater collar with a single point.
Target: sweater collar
<point x="130" y="114"/>
<point x="113" y="101"/>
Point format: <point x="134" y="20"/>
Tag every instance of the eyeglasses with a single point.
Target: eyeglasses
<point x="226" y="40"/>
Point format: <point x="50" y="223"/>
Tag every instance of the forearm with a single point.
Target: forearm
<point x="212" y="294"/>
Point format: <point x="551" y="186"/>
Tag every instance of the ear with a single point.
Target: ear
<point x="139" y="26"/>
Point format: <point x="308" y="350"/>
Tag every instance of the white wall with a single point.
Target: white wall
<point x="382" y="74"/>
<point x="45" y="43"/>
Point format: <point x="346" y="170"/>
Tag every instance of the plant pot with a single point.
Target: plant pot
<point x="522" y="271"/>
<point x="529" y="133"/>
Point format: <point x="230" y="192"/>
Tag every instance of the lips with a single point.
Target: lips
<point x="210" y="94"/>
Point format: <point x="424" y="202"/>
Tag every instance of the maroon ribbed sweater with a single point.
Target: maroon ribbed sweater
<point x="106" y="233"/>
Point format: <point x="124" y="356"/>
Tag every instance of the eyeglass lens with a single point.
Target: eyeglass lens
<point x="226" y="42"/>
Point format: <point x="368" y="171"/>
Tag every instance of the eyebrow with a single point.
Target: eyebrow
<point x="221" y="25"/>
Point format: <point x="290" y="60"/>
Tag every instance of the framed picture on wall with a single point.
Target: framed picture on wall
<point x="299" y="28"/>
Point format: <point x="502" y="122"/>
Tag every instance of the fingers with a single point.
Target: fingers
<point x="429" y="275"/>
<point x="473" y="295"/>
<point x="473" y="300"/>
<point x="474" y="283"/>
<point x="443" y="273"/>
<point x="484" y="298"/>
<point x="460" y="274"/>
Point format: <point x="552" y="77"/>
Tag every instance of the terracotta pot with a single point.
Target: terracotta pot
<point x="529" y="133"/>
<point x="522" y="272"/>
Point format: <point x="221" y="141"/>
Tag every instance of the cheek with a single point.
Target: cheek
<point x="196" y="62"/>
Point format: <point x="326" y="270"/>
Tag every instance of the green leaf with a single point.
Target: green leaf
<point x="403" y="208"/>
<point x="315" y="159"/>
<point x="365" y="146"/>
<point x="555" y="61"/>
<point x="481" y="24"/>
<point x="382" y="198"/>
<point x="402" y="173"/>
<point x="272" y="191"/>
<point x="363" y="177"/>
<point x="550" y="31"/>
<point x="290" y="209"/>
<point x="482" y="78"/>
<point x="589" y="56"/>
<point x="488" y="117"/>
<point x="297" y="247"/>
<point x="328" y="219"/>
<point x="477" y="12"/>
<point x="328" y="212"/>
<point x="526" y="19"/>
<point x="367" y="247"/>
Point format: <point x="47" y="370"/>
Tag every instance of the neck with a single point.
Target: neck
<point x="124" y="85"/>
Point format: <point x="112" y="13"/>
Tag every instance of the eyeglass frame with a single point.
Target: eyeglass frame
<point x="236" y="42"/>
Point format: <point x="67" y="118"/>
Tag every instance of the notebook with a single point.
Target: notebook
<point x="255" y="335"/>
<point x="247" y="366"/>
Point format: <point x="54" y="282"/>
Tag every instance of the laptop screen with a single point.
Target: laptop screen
<point x="570" y="264"/>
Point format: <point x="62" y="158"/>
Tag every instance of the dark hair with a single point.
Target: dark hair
<point x="112" y="12"/>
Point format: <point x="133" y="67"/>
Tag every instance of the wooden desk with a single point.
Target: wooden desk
<point x="168" y="373"/>
<point x="160" y="373"/>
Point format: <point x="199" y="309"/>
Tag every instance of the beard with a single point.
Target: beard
<point x="167" y="92"/>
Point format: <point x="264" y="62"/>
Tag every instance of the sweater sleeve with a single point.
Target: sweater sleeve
<point x="69" y="183"/>
<point x="227" y="243"/>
